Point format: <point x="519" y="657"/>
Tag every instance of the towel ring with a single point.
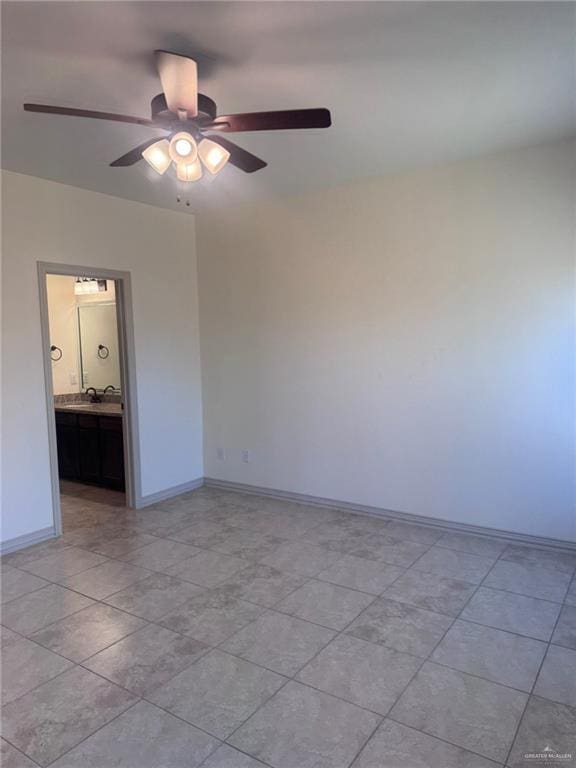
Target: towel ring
<point x="103" y="351"/>
<point x="57" y="350"/>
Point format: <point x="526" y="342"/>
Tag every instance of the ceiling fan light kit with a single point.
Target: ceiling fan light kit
<point x="158" y="157"/>
<point x="213" y="155"/>
<point x="183" y="151"/>
<point x="189" y="171"/>
<point x="183" y="148"/>
<point x="186" y="116"/>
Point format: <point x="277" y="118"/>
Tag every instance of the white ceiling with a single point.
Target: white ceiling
<point x="409" y="84"/>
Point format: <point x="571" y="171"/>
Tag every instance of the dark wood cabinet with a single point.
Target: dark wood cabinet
<point x="112" y="452"/>
<point x="90" y="449"/>
<point x="68" y="453"/>
<point x="89" y="452"/>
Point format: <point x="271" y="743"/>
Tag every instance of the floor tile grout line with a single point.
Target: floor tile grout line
<point x="71" y="661"/>
<point x="210" y="648"/>
<point x="520" y="594"/>
<point x="265" y="608"/>
<point x="204" y="652"/>
<point x="68" y="576"/>
<point x="252" y="714"/>
<point x="75" y="746"/>
<point x="87" y="607"/>
<point x="479" y="677"/>
<point x="274" y="605"/>
<point x="531" y="692"/>
<point x="63" y="672"/>
<point x="20" y="752"/>
<point x="81" y="663"/>
<point x="124" y="560"/>
<point x="313" y="578"/>
<point x="352" y="513"/>
<point x="30" y="592"/>
<point x="153" y="572"/>
<point x="69" y="615"/>
<point x="506" y="631"/>
<point x="72" y="575"/>
<point x="294" y="679"/>
<point x="445" y="741"/>
<point x="148" y="575"/>
<point x="390" y="518"/>
<point x="367" y="740"/>
<point x="138" y="700"/>
<point x="429" y="660"/>
<point x="434" y="544"/>
<point x="428" y="657"/>
<point x="241" y="751"/>
<point x="318" y="690"/>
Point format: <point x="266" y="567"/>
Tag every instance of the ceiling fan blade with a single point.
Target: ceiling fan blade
<point x="132" y="157"/>
<point x="179" y="78"/>
<point x="239" y="157"/>
<point x="48" y="109"/>
<point x="272" y="121"/>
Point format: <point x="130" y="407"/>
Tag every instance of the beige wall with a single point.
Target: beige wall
<point x="62" y="311"/>
<point x="406" y="343"/>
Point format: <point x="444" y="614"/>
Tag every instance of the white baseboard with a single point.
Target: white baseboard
<point x="432" y="522"/>
<point x="12" y="545"/>
<point x="27" y="540"/>
<point x="176" y="490"/>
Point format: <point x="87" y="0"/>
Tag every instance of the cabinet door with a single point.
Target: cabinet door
<point x="89" y="450"/>
<point x="67" y="442"/>
<point x="112" y="450"/>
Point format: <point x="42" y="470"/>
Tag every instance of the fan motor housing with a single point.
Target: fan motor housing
<point x="160" y="111"/>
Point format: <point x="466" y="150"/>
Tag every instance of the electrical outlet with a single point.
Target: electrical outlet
<point x="220" y="454"/>
<point x="73" y="378"/>
<point x="246" y="457"/>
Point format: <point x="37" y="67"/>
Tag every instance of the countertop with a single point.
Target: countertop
<point x="97" y="409"/>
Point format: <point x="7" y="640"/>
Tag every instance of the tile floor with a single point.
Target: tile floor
<point x="231" y="631"/>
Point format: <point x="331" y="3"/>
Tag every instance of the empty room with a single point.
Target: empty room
<point x="288" y="384"/>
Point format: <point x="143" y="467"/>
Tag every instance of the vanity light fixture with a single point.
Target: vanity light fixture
<point x="89" y="285"/>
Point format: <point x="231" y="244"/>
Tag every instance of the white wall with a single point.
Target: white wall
<point x="404" y="343"/>
<point x="43" y="221"/>
<point x="63" y="321"/>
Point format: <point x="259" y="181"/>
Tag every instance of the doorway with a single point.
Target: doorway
<point x="90" y="382"/>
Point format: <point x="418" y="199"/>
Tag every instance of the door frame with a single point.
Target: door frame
<point x="124" y="314"/>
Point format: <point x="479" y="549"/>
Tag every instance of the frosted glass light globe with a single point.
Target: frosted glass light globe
<point x="183" y="148"/>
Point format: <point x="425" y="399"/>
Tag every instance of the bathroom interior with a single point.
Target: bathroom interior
<point x="86" y="383"/>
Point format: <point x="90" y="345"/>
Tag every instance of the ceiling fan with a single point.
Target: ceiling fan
<point x="192" y="126"/>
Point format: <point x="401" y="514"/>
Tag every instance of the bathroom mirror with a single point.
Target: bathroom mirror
<point x="98" y="329"/>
